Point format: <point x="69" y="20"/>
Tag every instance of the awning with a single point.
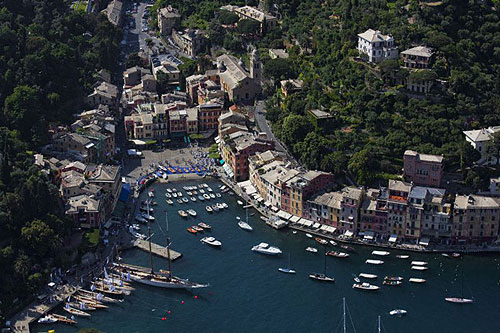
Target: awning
<point x="369" y="235"/>
<point x="324" y="227"/>
<point x="267" y="204"/>
<point x="274" y="209"/>
<point x="260" y="199"/>
<point x="228" y="170"/>
<point x="217" y="139"/>
<point x="331" y="229"/>
<point x="283" y="215"/>
<point x="294" y="219"/>
<point x="138" y="142"/>
<point x="247" y="187"/>
<point x="307" y="223"/>
<point x="424" y="241"/>
<point x="393" y="238"/>
<point x="316" y="225"/>
<point x="348" y="233"/>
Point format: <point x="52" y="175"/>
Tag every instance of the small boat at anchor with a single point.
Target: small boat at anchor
<point x="170" y="202"/>
<point x="365" y="286"/>
<point x="368" y="276"/>
<point x="380" y="253"/>
<point x="201" y="198"/>
<point x="393" y="278"/>
<point x="182" y="213"/>
<point x="197" y="228"/>
<point x="75" y="312"/>
<point x="205" y="226"/>
<point x="191" y="212"/>
<point x="311" y="249"/>
<point x="392" y="283"/>
<point x="287" y="270"/>
<point x="337" y="254"/>
<point x="265" y="248"/>
<point x="374" y="262"/>
<point x="179" y="201"/>
<point x="211" y="241"/>
<point x="191" y="230"/>
<point x="334" y="243"/>
<point x="321" y="241"/>
<point x="193" y="199"/>
<point x="398" y="312"/>
<point x="417" y="280"/>
<point x="206" y="196"/>
<point x="240" y="202"/>
<point x="419" y="263"/>
<point x="48" y="319"/>
<point x="245" y="226"/>
<point x="419" y="268"/>
<point x="309" y="236"/>
<point x="209" y="209"/>
<point x="215" y="208"/>
<point x="402" y="256"/>
<point x="185" y="200"/>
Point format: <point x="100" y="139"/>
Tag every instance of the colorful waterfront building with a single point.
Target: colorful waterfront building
<point x="423" y="169"/>
<point x="475" y="219"/>
<point x="324" y="208"/>
<point x="397" y="207"/>
<point x="373" y="213"/>
<point x="352" y="198"/>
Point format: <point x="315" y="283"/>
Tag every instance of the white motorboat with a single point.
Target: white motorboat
<point x="217" y="195"/>
<point x="311" y="249"/>
<point x="321" y="277"/>
<point x="180" y="201"/>
<point x="419" y="263"/>
<point x="174" y="194"/>
<point x="215" y="208"/>
<point x="223" y="187"/>
<point x="240" y="202"/>
<point x="169" y="190"/>
<point x="265" y="248"/>
<point x="225" y="205"/>
<point x="245" y="226"/>
<point x="185" y="200"/>
<point x="212" y="196"/>
<point x="368" y="276"/>
<point x="191" y="212"/>
<point x="48" y="319"/>
<point x="220" y="206"/>
<point x="182" y="213"/>
<point x="151" y="194"/>
<point x="209" y="189"/>
<point x="209" y="209"/>
<point x="356" y="279"/>
<point x="286" y="270"/>
<point x="174" y="189"/>
<point x="334" y="243"/>
<point x="146" y="209"/>
<point x="380" y="253"/>
<point x="374" y="262"/>
<point x="398" y="312"/>
<point x="168" y="195"/>
<point x="206" y="196"/>
<point x="189" y="193"/>
<point x="416" y="280"/>
<point x="201" y="198"/>
<point x="365" y="286"/>
<point x="402" y="256"/>
<point x="193" y="199"/>
<point x="211" y="241"/>
<point x="459" y="300"/>
<point x="202" y="191"/>
<point x="309" y="236"/>
<point x="419" y="268"/>
<point x="179" y="194"/>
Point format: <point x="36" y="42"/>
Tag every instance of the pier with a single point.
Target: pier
<point x="158" y="250"/>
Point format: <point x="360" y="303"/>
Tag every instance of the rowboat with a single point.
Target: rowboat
<point x="416" y="280"/>
<point x="179" y="201"/>
<point x="170" y="202"/>
<point x="191" y="230"/>
<point x="182" y="213"/>
<point x="337" y="254"/>
<point x="374" y="262"/>
<point x="367" y="276"/>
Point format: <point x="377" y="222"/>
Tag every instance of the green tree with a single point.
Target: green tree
<point x="312" y="149"/>
<point x="279" y="69"/>
<point x="22" y="110"/>
<point x="493" y="147"/>
<point x="335" y="162"/>
<point x="227" y="18"/>
<point x="247" y="26"/>
<point x="294" y="129"/>
<point x="361" y="165"/>
<point x="40" y="237"/>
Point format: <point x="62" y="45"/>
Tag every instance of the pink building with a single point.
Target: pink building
<point x="423" y="169"/>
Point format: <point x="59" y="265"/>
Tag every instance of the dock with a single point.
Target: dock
<point x="158" y="250"/>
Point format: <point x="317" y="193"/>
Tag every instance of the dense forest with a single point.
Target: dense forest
<point x="49" y="55"/>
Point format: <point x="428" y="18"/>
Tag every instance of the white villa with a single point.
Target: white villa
<point x="479" y="139"/>
<point x="376" y="47"/>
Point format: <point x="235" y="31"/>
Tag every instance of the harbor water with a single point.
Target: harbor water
<point x="248" y="294"/>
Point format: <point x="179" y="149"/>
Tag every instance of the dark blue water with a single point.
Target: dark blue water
<point x="248" y="294"/>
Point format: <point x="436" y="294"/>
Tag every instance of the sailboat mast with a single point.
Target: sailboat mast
<point x="149" y="239"/>
<point x="343" y="301"/>
<point x="168" y="248"/>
